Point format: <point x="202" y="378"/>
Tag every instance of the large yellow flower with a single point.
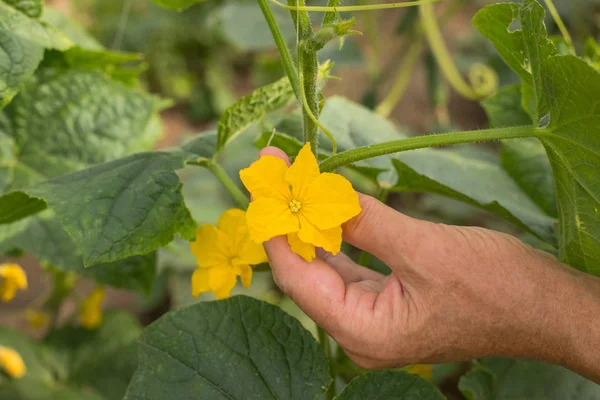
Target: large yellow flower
<point x="300" y="202"/>
<point x="223" y="253"/>
<point x="90" y="312"/>
<point x="12" y="363"/>
<point x="13" y="279"/>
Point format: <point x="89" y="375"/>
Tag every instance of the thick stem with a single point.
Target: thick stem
<point x="284" y="52"/>
<point x="236" y="193"/>
<point x="401" y="83"/>
<point x="326" y="348"/>
<point x="420" y="142"/>
<point x="310" y="71"/>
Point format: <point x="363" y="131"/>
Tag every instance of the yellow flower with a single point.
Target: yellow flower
<point x="425" y="371"/>
<point x="12" y="363"/>
<point x="300" y="202"/>
<point x="90" y="312"/>
<point x="36" y="319"/>
<point x="13" y="279"/>
<point x="224" y="252"/>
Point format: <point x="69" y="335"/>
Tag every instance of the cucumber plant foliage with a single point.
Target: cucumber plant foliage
<point x="82" y="191"/>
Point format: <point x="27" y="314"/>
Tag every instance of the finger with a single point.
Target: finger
<point x="315" y="287"/>
<point x="348" y="269"/>
<point x="275" y="152"/>
<point x="383" y="232"/>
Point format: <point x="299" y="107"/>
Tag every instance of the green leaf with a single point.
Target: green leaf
<point x="522" y="49"/>
<point x="527" y="163"/>
<point x="239" y="348"/>
<point x="504" y="379"/>
<point x="572" y="141"/>
<point x="253" y="107"/>
<point x="24" y="41"/>
<point x="504" y="109"/>
<point x="463" y="175"/>
<point x="103" y="359"/>
<point x="115" y="210"/>
<point x="44" y="238"/>
<point x="77" y="34"/>
<point x="525" y="160"/>
<point x="32" y="8"/>
<point x="390" y="385"/>
<point x="467" y="176"/>
<point x="177" y="4"/>
<point x="66" y="120"/>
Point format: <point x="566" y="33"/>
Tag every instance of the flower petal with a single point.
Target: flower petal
<point x="330" y="201"/>
<point x="265" y="178"/>
<point x="245" y="273"/>
<point x="303" y="172"/>
<point x="231" y="220"/>
<point x="12" y="363"/>
<point x="200" y="283"/>
<point x="329" y="239"/>
<point x="210" y="246"/>
<point x="304" y="250"/>
<point x="251" y="252"/>
<point x="221" y="281"/>
<point x="268" y="218"/>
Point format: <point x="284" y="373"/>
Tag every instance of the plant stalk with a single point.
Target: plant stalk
<point x="236" y="193"/>
<point x="284" y="52"/>
<point x="326" y="348"/>
<point x="420" y="142"/>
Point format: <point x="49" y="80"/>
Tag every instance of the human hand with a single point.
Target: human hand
<point x="455" y="293"/>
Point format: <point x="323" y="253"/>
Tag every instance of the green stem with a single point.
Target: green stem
<point x="444" y="58"/>
<point x="236" y="193"/>
<point x="401" y="83"/>
<point x="284" y="52"/>
<point x="561" y="25"/>
<point x="326" y="348"/>
<point x="420" y="142"/>
<point x="385" y="6"/>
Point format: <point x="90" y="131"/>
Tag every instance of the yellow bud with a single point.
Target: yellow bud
<point x="90" y="312"/>
<point x="13" y="279"/>
<point x="12" y="363"/>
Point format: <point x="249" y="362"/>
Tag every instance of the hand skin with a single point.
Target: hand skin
<point x="455" y="293"/>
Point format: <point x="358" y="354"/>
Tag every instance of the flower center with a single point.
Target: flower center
<point x="295" y="206"/>
<point x="233" y="261"/>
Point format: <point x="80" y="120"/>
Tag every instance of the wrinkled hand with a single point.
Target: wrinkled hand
<point x="455" y="293"/>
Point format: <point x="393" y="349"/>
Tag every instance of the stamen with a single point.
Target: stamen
<point x="295" y="206"/>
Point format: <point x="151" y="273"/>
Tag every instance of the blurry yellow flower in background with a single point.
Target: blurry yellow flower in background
<point x="12" y="363"/>
<point x="301" y="202"/>
<point x="425" y="371"/>
<point x="13" y="278"/>
<point x="36" y="319"/>
<point x="90" y="312"/>
<point x="223" y="253"/>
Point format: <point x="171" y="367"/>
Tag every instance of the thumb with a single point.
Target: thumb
<point x="383" y="231"/>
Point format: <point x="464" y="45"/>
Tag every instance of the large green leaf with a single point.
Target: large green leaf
<point x="508" y="379"/>
<point x="115" y="210"/>
<point x="522" y="49"/>
<point x="66" y="120"/>
<point x="71" y="29"/>
<point x="24" y="41"/>
<point x="572" y="141"/>
<point x="45" y="239"/>
<point x="390" y="385"/>
<point x="467" y="174"/>
<point x="504" y="108"/>
<point x="32" y="8"/>
<point x="253" y="107"/>
<point x="103" y="359"/>
<point x="239" y="348"/>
